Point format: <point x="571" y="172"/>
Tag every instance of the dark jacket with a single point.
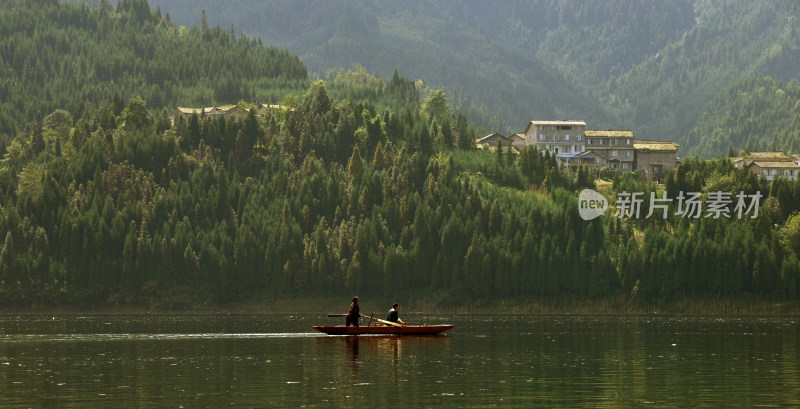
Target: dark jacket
<point x="393" y="316"/>
<point x="353" y="311"/>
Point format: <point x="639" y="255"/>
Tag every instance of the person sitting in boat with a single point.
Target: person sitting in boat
<point x="393" y="315"/>
<point x="353" y="314"/>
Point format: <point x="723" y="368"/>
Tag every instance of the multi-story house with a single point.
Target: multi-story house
<point x="614" y="149"/>
<point x="616" y="146"/>
<point x="565" y="139"/>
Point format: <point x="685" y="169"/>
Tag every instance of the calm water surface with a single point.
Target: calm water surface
<point x="218" y="360"/>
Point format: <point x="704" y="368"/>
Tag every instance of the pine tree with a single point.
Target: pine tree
<point x="355" y="165"/>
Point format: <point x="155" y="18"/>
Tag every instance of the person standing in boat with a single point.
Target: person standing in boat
<point x="353" y="314"/>
<point x="393" y="314"/>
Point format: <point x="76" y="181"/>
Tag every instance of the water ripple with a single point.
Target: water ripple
<point x="21" y="338"/>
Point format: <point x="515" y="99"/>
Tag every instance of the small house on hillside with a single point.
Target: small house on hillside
<point x="769" y="164"/>
<point x="517" y="140"/>
<point x="264" y="108"/>
<point x="655" y="157"/>
<point x="771" y="170"/>
<point x="745" y="161"/>
<point x="224" y="110"/>
<point x="493" y="139"/>
<point x="591" y="158"/>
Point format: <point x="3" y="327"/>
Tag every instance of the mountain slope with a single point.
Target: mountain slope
<point x="756" y="114"/>
<point x="64" y="55"/>
<point x="647" y="66"/>
<point x="732" y="41"/>
<point x="462" y="48"/>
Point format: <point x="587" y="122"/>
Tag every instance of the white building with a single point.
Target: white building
<point x="565" y="139"/>
<point x="770" y="164"/>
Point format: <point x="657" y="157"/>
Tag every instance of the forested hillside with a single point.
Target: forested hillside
<point x="465" y="48"/>
<point x="356" y="185"/>
<point x="633" y="64"/>
<point x="334" y="198"/>
<point x="732" y="41"/>
<point x="755" y="114"/>
<point x="71" y="56"/>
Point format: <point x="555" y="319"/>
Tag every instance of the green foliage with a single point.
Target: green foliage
<point x="483" y="54"/>
<point x="183" y="216"/>
<point x="117" y="204"/>
<point x="68" y="55"/>
<point x="135" y="115"/>
<point x="790" y="234"/>
<point x="647" y="66"/>
<point x="436" y="105"/>
<point x="756" y="114"/>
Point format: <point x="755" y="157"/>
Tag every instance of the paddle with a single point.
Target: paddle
<point x="372" y="318"/>
<point x="386" y="322"/>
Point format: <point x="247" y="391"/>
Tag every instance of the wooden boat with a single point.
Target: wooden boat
<point x="410" y="329"/>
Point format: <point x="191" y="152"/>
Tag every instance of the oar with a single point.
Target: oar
<point x="386" y="322"/>
<point x="376" y="319"/>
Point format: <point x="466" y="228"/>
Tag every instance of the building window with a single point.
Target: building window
<point x="615" y="141"/>
<point x="579" y="136"/>
<point x="613" y="153"/>
<point x="627" y="142"/>
<point x="588" y="141"/>
<point x="658" y="157"/>
<point x="628" y="153"/>
<point x="566" y="137"/>
<point x="541" y="136"/>
<point x="625" y="166"/>
<point x="602" y="142"/>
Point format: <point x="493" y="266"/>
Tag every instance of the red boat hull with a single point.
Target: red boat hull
<point x="385" y="330"/>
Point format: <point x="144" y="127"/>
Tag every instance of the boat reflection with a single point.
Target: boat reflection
<point x="351" y="349"/>
<point x="388" y="347"/>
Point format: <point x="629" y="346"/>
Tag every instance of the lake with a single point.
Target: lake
<point x="269" y="360"/>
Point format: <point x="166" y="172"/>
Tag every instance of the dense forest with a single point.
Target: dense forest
<point x="356" y="185"/>
<point x="758" y="113"/>
<point x="332" y="198"/>
<point x="623" y="64"/>
<point x="70" y="56"/>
